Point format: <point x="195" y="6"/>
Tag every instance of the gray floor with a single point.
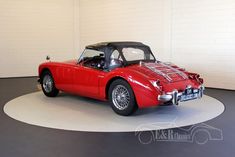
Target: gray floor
<point x="18" y="139"/>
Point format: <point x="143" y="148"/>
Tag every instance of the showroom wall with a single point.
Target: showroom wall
<point x="112" y="20"/>
<point x="203" y="39"/>
<point x="198" y="35"/>
<point x="32" y="29"/>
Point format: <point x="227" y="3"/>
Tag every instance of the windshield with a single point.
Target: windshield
<point x="89" y="54"/>
<point x="137" y="54"/>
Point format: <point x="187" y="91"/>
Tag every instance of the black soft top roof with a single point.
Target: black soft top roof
<point x="108" y="47"/>
<point x="118" y="45"/>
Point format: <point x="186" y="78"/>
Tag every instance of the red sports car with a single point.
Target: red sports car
<point x="125" y="73"/>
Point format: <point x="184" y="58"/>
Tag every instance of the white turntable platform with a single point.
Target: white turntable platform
<point x="83" y="114"/>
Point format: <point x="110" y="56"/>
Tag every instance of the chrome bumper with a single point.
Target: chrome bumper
<point x="175" y="96"/>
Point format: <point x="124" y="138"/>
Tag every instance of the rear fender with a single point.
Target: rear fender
<point x="145" y="94"/>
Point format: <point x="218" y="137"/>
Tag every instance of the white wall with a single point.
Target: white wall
<point x="32" y="29"/>
<point x="203" y="39"/>
<point x="198" y="35"/>
<point x="124" y="20"/>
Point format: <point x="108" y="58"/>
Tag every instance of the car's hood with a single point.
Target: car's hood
<point x="163" y="71"/>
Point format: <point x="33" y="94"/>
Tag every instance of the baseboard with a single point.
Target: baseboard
<point x="18" y="77"/>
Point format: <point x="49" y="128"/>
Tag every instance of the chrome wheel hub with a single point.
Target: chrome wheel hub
<point x="120" y="97"/>
<point x="47" y="83"/>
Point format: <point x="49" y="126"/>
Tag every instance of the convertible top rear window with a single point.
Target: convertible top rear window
<point x="132" y="54"/>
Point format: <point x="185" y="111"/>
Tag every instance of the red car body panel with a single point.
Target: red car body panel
<point x="75" y="78"/>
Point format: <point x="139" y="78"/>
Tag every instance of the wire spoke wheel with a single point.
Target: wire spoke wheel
<point x="120" y="97"/>
<point x="47" y="83"/>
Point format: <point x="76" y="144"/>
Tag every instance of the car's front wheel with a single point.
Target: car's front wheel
<point x="48" y="84"/>
<point x="122" y="98"/>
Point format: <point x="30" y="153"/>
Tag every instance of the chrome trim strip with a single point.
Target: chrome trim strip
<point x="167" y="71"/>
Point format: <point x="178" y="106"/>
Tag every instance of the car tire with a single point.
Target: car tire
<point x="122" y="98"/>
<point x="48" y="84"/>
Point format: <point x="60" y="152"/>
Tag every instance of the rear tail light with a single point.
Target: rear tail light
<point x="196" y="77"/>
<point x="201" y="80"/>
<point x="157" y="84"/>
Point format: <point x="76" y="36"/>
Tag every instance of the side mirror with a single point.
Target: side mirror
<point x="48" y="58"/>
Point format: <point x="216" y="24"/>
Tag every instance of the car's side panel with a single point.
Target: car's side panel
<point x="87" y="81"/>
<point x="51" y="66"/>
<point x="75" y="79"/>
<point x="63" y="74"/>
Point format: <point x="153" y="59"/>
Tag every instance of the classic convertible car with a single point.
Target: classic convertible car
<point x="125" y="73"/>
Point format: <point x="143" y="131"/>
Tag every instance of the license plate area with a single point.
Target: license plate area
<point x="186" y="97"/>
<point x="189" y="94"/>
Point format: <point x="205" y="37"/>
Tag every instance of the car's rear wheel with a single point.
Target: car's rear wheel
<point x="122" y="98"/>
<point x="48" y="84"/>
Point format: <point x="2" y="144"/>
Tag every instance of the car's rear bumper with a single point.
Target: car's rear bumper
<point x="176" y="96"/>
